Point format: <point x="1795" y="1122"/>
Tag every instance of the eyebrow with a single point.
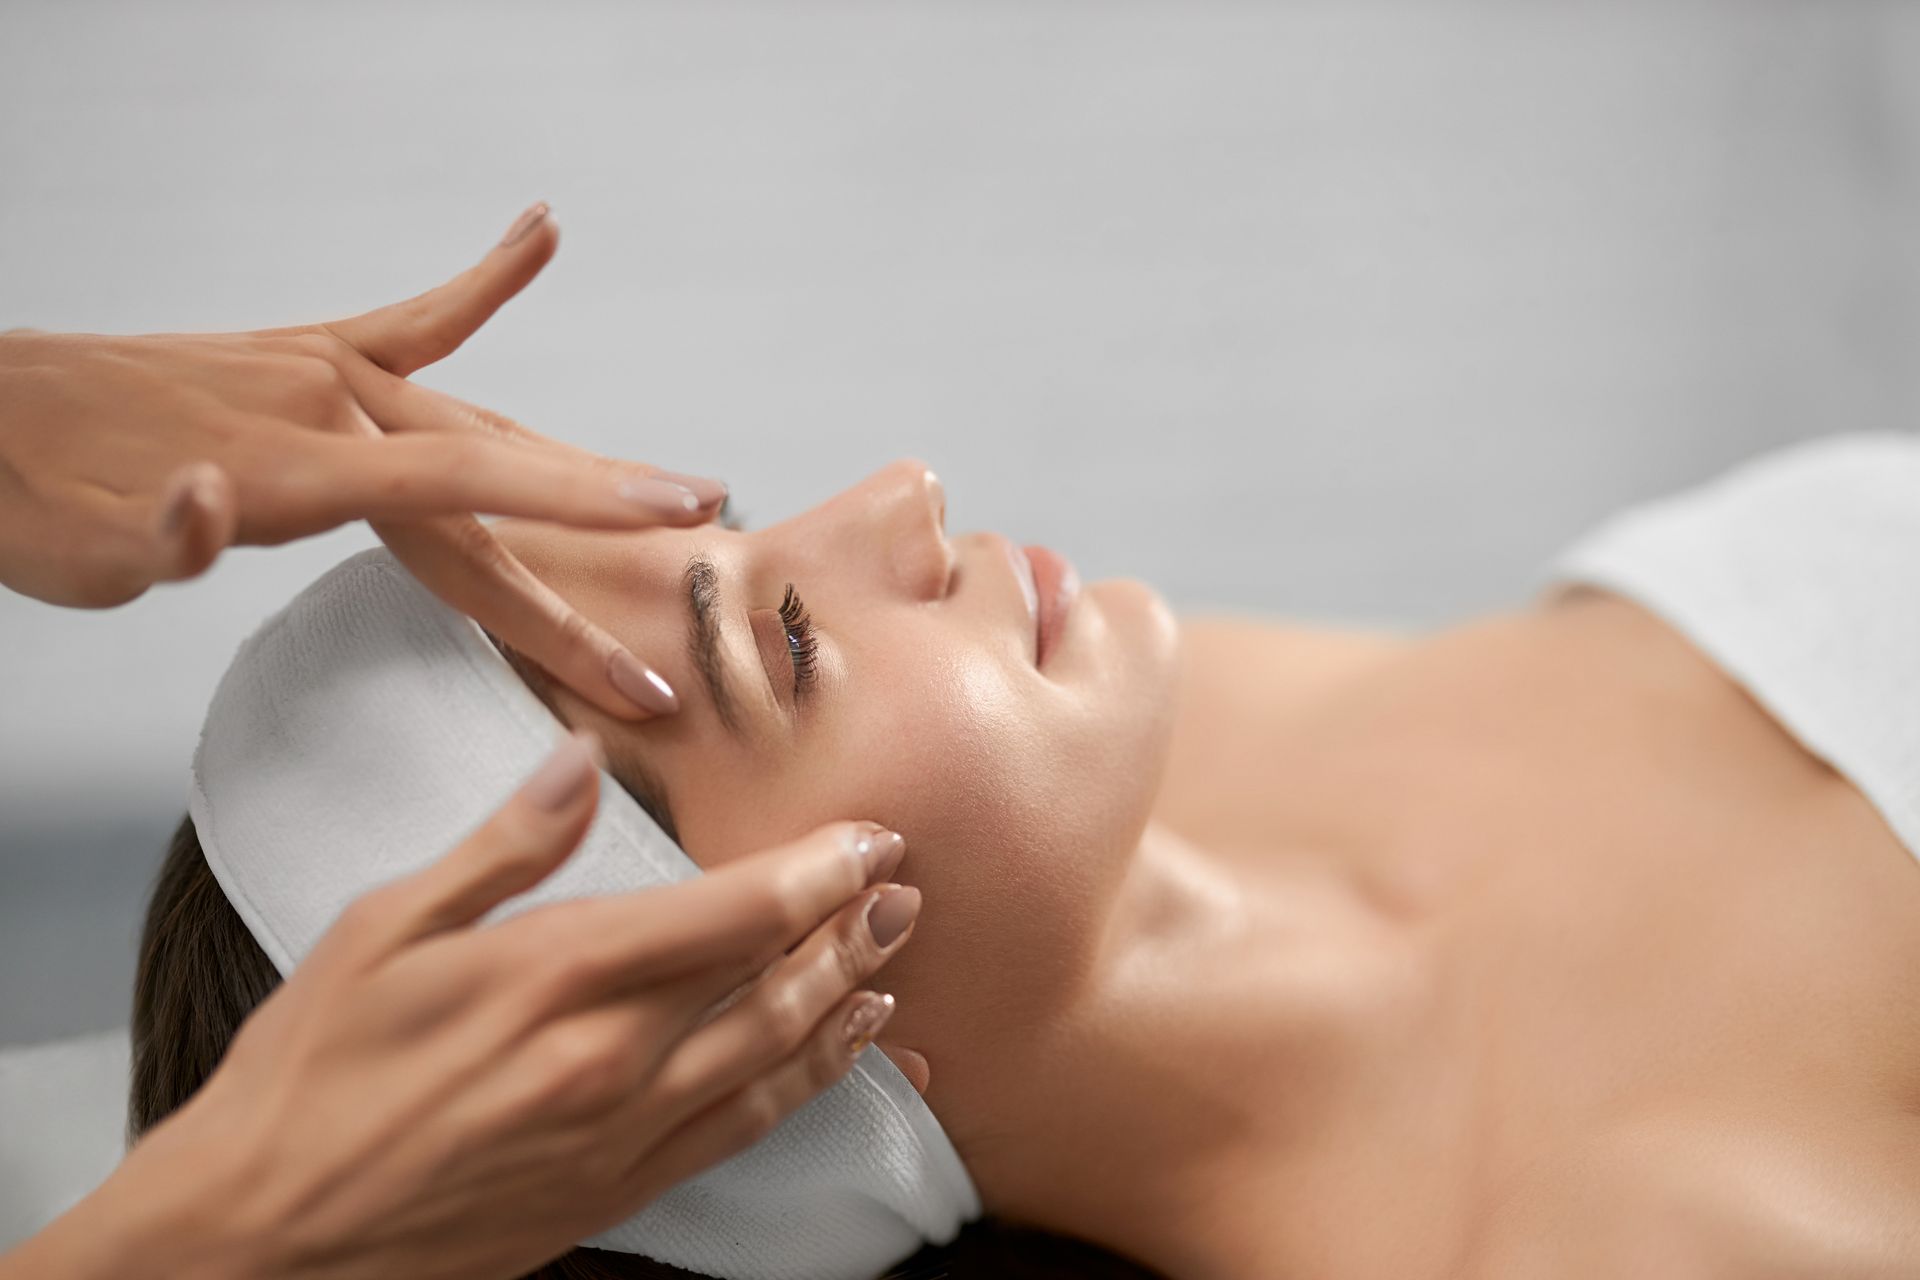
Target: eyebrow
<point x="702" y="582"/>
<point x="628" y="769"/>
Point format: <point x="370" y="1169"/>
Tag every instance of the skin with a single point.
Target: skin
<point x="129" y="461"/>
<point x="1528" y="947"/>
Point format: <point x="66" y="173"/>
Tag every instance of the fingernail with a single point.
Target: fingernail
<point x="865" y="1021"/>
<point x="662" y="496"/>
<point x="710" y="492"/>
<point x="877" y="851"/>
<point x="525" y="223"/>
<point x="891" y="911"/>
<point x="566" y="773"/>
<point x="641" y="684"/>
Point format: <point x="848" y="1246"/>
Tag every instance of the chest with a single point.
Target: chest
<point x="1644" y="908"/>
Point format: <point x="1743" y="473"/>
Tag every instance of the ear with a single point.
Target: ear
<point x="912" y="1065"/>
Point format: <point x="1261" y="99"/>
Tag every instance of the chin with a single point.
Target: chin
<point x="1129" y="668"/>
<point x="1140" y="637"/>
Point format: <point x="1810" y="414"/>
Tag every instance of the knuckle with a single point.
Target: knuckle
<point x="364" y="914"/>
<point x="789" y="890"/>
<point x="463" y="452"/>
<point x="476" y="544"/>
<point x="317" y="343"/>
<point x="827" y="1060"/>
<point x="783" y="1016"/>
<point x="314" y="386"/>
<point x="575" y="632"/>
<point x="850" y="953"/>
<point x="585" y="1068"/>
<point x="553" y="971"/>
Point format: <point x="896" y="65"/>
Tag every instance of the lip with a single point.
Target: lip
<point x="1056" y="586"/>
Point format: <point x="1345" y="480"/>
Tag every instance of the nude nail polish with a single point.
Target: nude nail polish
<point x="568" y="771"/>
<point x="866" y="1020"/>
<point x="665" y="497"/>
<point x="877" y="850"/>
<point x="891" y="913"/>
<point x="640" y="684"/>
<point x="710" y="492"/>
<point x="525" y="223"/>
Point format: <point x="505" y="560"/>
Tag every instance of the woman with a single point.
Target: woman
<point x="1534" y="946"/>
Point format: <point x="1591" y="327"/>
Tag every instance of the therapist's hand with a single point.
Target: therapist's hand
<point x="424" y="1098"/>
<point x="126" y="461"/>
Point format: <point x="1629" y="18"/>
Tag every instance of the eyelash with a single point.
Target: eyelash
<point x="802" y="645"/>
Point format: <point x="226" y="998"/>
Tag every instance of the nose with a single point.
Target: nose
<point x="905" y="517"/>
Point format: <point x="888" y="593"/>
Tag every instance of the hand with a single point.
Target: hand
<point x="424" y="1099"/>
<point x="126" y="461"/>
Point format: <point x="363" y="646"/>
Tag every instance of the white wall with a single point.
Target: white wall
<point x="1332" y="309"/>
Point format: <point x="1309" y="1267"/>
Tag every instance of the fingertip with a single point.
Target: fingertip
<point x="664" y="500"/>
<point x="868" y="1014"/>
<point x="912" y="1064"/>
<point x="567" y="774"/>
<point x="708" y="492"/>
<point x="527" y="223"/>
<point x="876" y="852"/>
<point x="641" y="685"/>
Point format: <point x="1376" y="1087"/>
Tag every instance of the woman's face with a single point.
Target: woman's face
<point x="914" y="699"/>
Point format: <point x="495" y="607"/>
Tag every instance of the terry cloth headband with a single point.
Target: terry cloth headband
<point x="366" y="729"/>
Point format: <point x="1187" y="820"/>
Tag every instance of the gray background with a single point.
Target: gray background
<point x="1344" y="310"/>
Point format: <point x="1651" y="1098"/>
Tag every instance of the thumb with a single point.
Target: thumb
<point x="198" y="516"/>
<point x="410" y="335"/>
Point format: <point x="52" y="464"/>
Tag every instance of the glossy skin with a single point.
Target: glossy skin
<point x="1017" y="789"/>
<point x="1531" y="947"/>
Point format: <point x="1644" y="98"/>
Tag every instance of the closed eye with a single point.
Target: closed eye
<point x="803" y="647"/>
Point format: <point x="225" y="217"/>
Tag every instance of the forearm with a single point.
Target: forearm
<point x="131" y="1228"/>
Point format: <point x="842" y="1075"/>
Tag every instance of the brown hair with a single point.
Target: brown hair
<point x="201" y="973"/>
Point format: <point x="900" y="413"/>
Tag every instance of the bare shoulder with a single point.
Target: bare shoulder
<point x="1831" y="1197"/>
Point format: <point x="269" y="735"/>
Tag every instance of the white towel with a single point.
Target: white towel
<point x="1799" y="575"/>
<point x="365" y="730"/>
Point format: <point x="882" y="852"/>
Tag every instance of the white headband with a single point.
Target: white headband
<point x="366" y="729"/>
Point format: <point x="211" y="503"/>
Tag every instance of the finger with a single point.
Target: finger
<point x="434" y="474"/>
<point x="462" y="562"/>
<point x="775" y="1017"/>
<point x="734" y="919"/>
<point x="415" y="333"/>
<point x="748" y="1114"/>
<point x="523" y="842"/>
<point x="405" y="406"/>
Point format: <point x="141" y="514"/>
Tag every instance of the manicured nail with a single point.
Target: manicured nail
<point x="525" y="223"/>
<point x="566" y="773"/>
<point x="641" y="684"/>
<point x="710" y="492"/>
<point x="890" y="912"/>
<point x="877" y="851"/>
<point x="661" y="496"/>
<point x="866" y="1020"/>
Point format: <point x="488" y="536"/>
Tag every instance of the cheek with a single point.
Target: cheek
<point x="1021" y="799"/>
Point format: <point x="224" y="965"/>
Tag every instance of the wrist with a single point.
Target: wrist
<point x="168" y="1211"/>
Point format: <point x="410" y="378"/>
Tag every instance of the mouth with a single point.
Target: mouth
<point x="1051" y="585"/>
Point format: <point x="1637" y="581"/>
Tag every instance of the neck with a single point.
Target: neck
<point x="1197" y="1079"/>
